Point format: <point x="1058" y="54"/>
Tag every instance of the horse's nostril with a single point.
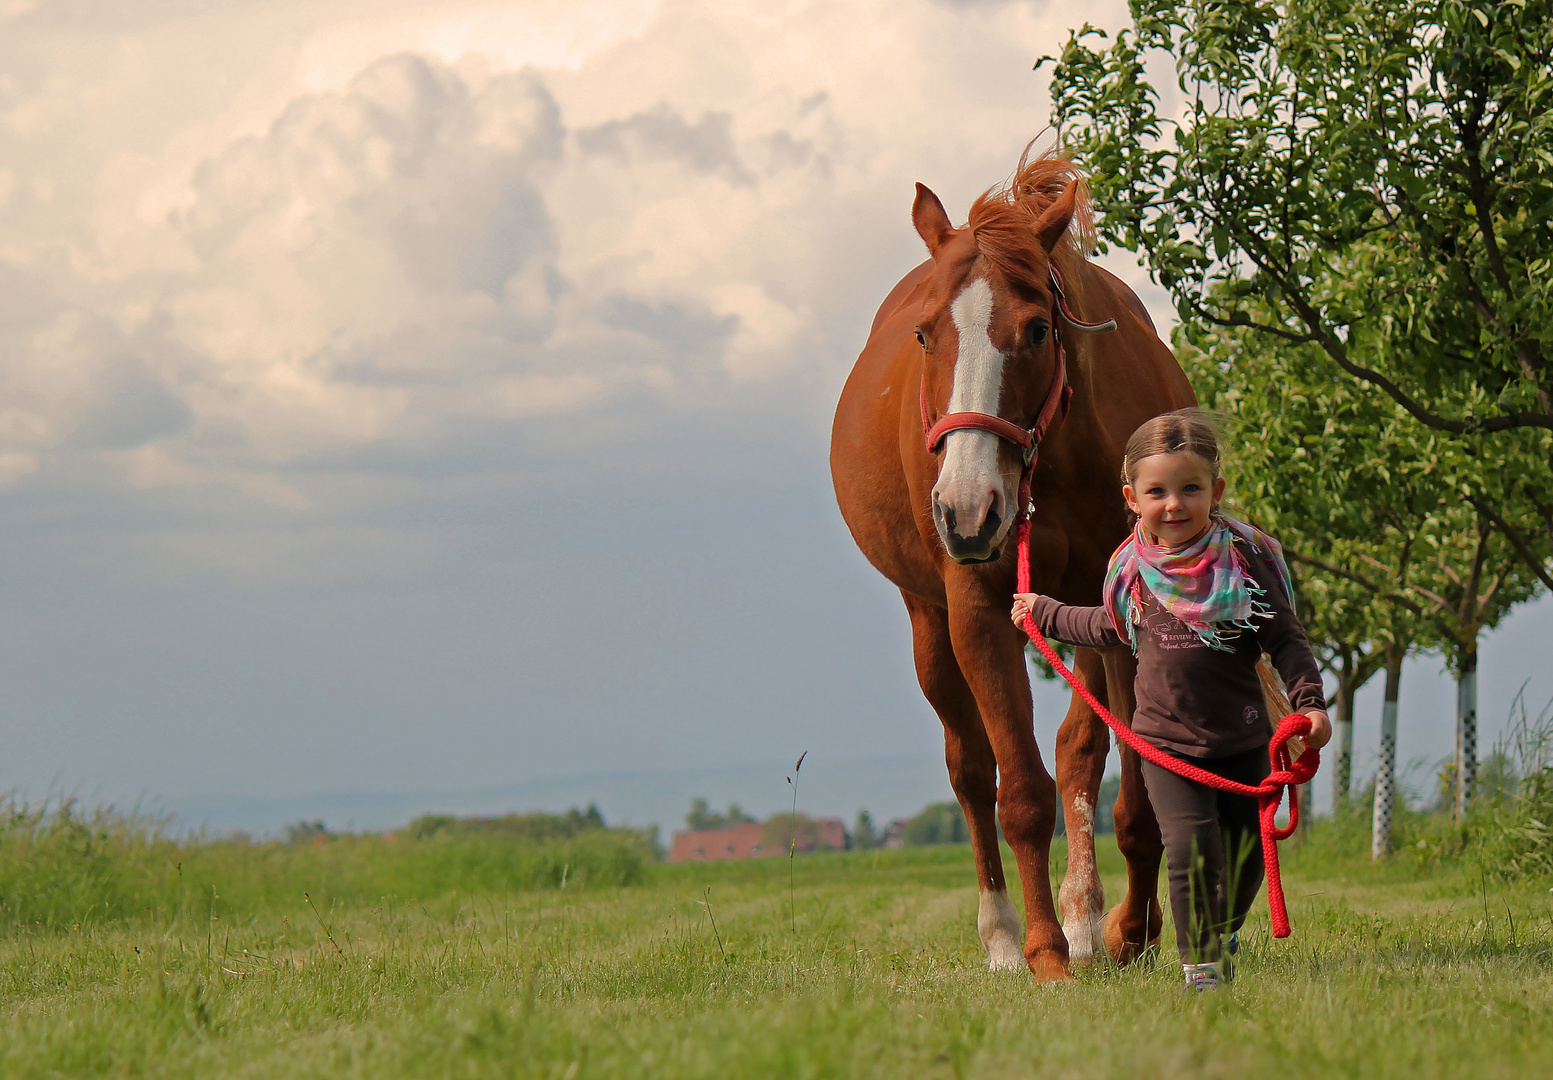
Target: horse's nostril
<point x="989" y="527"/>
<point x="948" y="512"/>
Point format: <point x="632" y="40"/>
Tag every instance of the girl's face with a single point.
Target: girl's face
<point x="1173" y="494"/>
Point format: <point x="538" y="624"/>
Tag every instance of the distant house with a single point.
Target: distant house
<point x="750" y="841"/>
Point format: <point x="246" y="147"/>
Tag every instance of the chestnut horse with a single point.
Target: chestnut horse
<point x="980" y="331"/>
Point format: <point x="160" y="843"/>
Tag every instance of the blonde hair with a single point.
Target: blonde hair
<point x="1185" y="431"/>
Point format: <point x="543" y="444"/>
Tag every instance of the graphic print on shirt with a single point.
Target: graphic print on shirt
<point x="1170" y="632"/>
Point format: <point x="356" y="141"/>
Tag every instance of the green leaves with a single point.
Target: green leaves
<point x="1307" y="129"/>
<point x="1368" y="183"/>
<point x="1379" y="515"/>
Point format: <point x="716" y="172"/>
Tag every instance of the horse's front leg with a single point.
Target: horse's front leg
<point x="1082" y="746"/>
<point x="973" y="773"/>
<point x="991" y="657"/>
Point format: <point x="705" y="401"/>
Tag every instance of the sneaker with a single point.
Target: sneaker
<point x="1201" y="978"/>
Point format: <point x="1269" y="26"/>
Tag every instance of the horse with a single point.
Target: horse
<point x="1007" y="346"/>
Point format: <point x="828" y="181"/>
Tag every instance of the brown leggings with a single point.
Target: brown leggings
<point x="1213" y="849"/>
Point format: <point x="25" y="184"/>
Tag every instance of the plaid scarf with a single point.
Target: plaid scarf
<point x="1204" y="584"/>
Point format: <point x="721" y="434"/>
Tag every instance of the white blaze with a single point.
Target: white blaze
<point x="978" y="371"/>
<point x="969" y="478"/>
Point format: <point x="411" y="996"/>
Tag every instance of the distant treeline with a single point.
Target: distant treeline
<point x="535" y="828"/>
<point x="944" y="823"/>
<point x="61" y="867"/>
<point x="937" y="823"/>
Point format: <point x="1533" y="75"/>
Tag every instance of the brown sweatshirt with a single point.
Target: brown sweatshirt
<point x="1195" y="700"/>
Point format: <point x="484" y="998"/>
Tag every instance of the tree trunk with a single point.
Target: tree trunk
<point x="1466" y="730"/>
<point x="1386" y="779"/>
<point x="1342" y="730"/>
<point x="1467" y="675"/>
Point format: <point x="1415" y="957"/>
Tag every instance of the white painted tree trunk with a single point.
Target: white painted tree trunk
<point x="1386" y="779"/>
<point x="1342" y="765"/>
<point x="1466" y="733"/>
<point x="1385" y="783"/>
<point x="1348" y="682"/>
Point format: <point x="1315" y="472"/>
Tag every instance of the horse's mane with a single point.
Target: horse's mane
<point x="1003" y="221"/>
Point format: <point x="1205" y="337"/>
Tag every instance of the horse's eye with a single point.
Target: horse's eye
<point x="1036" y="333"/>
<point x="921" y="340"/>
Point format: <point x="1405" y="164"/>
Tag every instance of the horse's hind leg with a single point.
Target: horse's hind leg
<point x="973" y="773"/>
<point x="1135" y="923"/>
<point x="1082" y="746"/>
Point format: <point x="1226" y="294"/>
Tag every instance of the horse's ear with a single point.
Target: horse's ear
<point x="1051" y="225"/>
<point x="927" y="214"/>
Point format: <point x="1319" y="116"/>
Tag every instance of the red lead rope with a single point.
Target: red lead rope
<point x="1269" y="793"/>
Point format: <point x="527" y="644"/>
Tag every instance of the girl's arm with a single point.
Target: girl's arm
<point x="1283" y="639"/>
<point x="1089" y="627"/>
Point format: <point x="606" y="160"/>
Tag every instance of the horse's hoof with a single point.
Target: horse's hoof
<point x="1048" y="967"/>
<point x="1122" y="948"/>
<point x="1004" y="956"/>
<point x="1086" y="939"/>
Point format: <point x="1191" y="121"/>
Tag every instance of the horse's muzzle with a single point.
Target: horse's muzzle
<point x="968" y="549"/>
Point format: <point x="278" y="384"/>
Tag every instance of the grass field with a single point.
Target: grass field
<point x="869" y="968"/>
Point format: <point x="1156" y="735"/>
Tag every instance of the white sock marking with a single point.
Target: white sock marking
<point x="998" y="924"/>
<point x="1082" y="897"/>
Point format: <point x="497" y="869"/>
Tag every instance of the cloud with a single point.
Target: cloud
<point x="660" y="133"/>
<point x="408" y="231"/>
<point x="130" y="407"/>
<point x="380" y="259"/>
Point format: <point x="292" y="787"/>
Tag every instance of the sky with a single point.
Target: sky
<point x="435" y="397"/>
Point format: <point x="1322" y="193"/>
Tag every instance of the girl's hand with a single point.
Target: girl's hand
<point x="1023" y="603"/>
<point x="1320" y="729"/>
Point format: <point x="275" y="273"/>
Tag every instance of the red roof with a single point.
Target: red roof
<point x="748" y="842"/>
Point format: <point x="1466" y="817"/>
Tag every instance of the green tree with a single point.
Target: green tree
<point x="536" y="827"/>
<point x="702" y="817"/>
<point x="937" y="823"/>
<point x="1348" y="489"/>
<point x="1388" y="556"/>
<point x="864" y="835"/>
<point x="795" y="831"/>
<point x="1468" y="588"/>
<point x="1351" y="664"/>
<point x="1373" y="180"/>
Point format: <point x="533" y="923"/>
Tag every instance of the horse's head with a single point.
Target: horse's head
<point x="988" y="335"/>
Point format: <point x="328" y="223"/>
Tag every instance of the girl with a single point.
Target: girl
<point x="1199" y="597"/>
